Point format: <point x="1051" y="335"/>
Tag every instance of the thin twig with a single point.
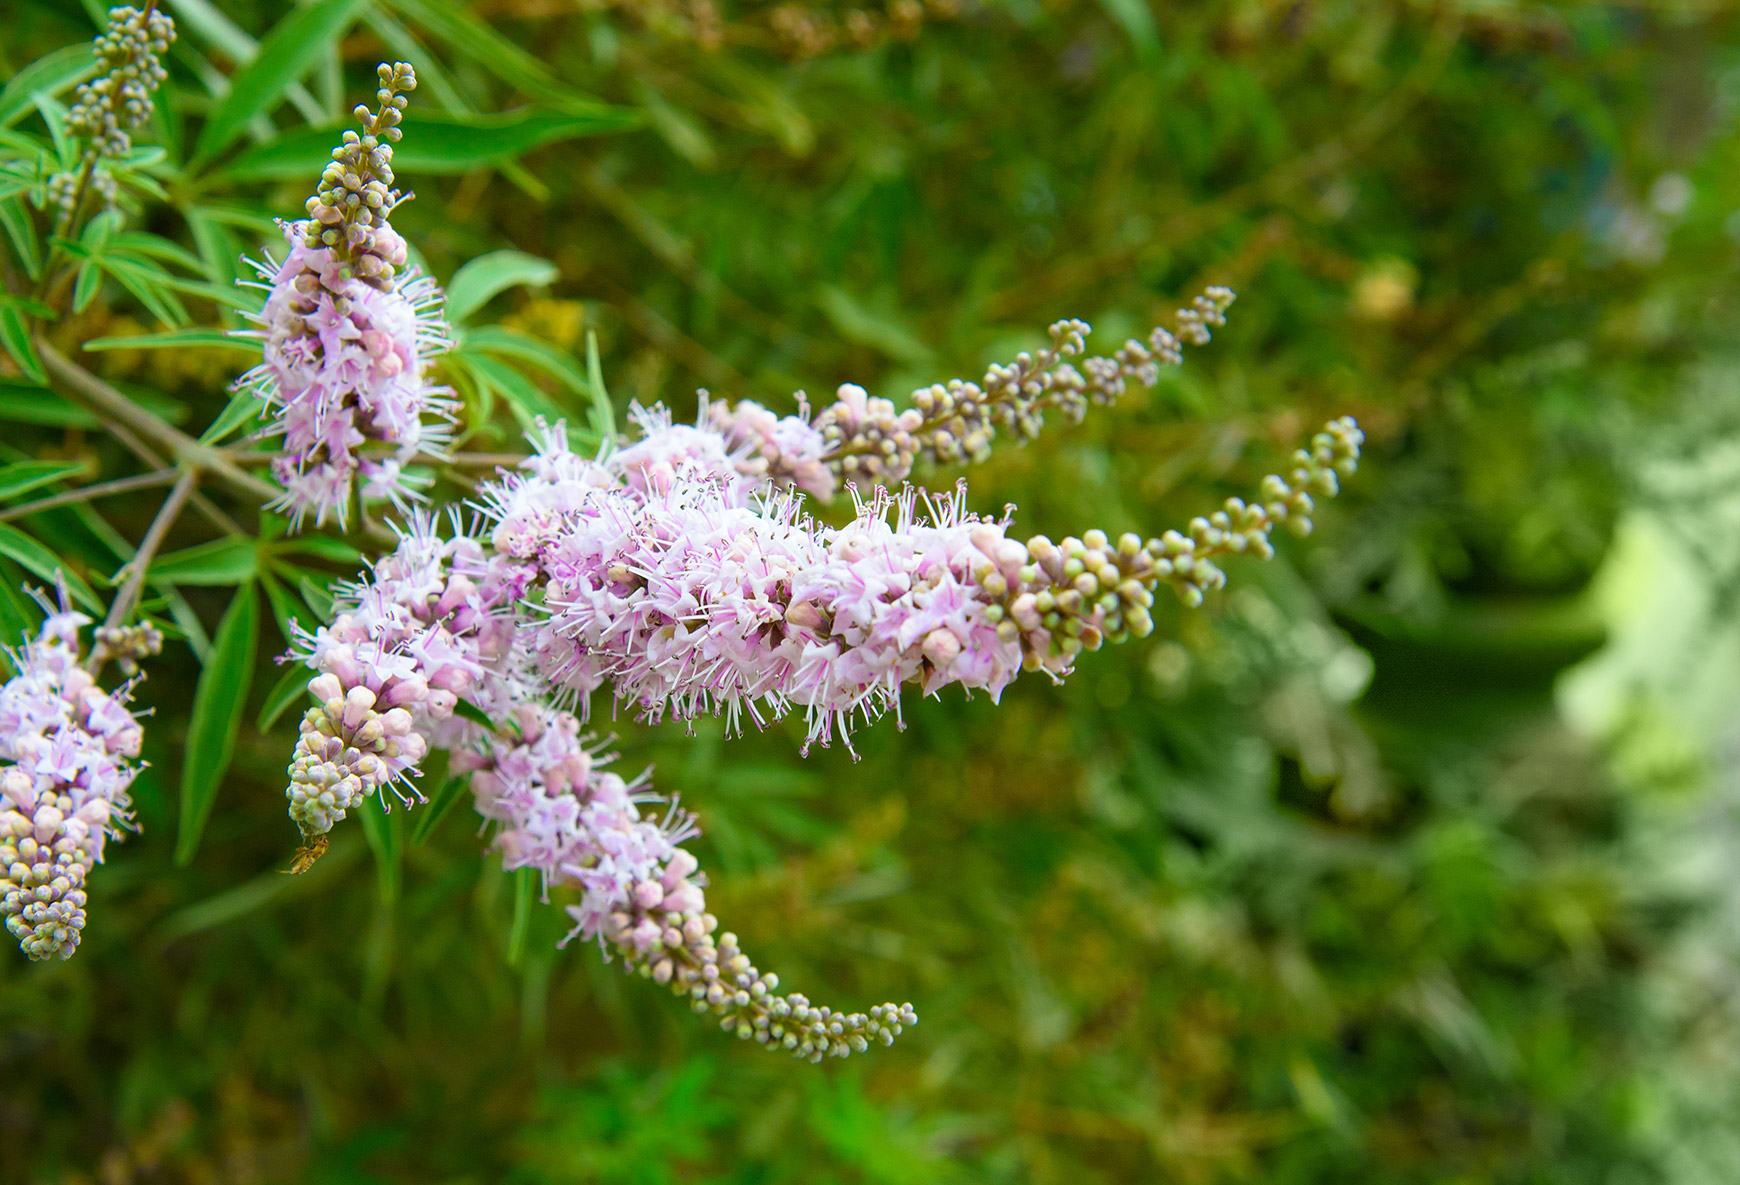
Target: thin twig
<point x="153" y="458"/>
<point x="141" y="561"/>
<point x="104" y="489"/>
<point x="115" y="408"/>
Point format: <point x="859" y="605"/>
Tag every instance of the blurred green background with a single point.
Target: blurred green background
<point x="1409" y="858"/>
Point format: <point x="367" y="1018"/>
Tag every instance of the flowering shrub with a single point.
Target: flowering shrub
<point x="682" y="567"/>
<point x="1328" y="877"/>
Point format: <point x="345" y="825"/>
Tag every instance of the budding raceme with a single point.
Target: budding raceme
<point x="347" y="339"/>
<point x="355" y="743"/>
<point x="954" y="422"/>
<point x="73" y="749"/>
<point x="109" y="108"/>
<point x="431" y="622"/>
<point x="559" y="810"/>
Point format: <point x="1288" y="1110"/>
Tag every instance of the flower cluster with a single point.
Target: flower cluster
<point x="441" y="621"/>
<point x="347" y="339"/>
<point x="108" y="108"/>
<point x="559" y="811"/>
<point x="664" y="575"/>
<point x="71" y="746"/>
<point x="682" y="570"/>
<point x="433" y="622"/>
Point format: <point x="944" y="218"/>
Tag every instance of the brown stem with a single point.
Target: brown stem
<point x="122" y="485"/>
<point x="141" y="561"/>
<point x="115" y="408"/>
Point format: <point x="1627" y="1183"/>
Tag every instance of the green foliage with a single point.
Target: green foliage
<point x="1404" y="860"/>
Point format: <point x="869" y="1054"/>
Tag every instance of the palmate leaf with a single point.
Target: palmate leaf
<point x="217" y="716"/>
<point x="244" y="408"/>
<point x="524" y="398"/>
<point x="287" y="53"/>
<point x="449" y="790"/>
<point x="22" y="403"/>
<point x="176" y="339"/>
<point x="208" y="24"/>
<point x="471" y="37"/>
<point x="386" y="838"/>
<point x="289" y="610"/>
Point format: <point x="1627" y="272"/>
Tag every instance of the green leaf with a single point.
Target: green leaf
<point x="53" y="113"/>
<point x="19" y="616"/>
<point x="470" y="711"/>
<point x="15" y="545"/>
<point x="289" y="610"/>
<point x="287" y="53"/>
<point x="441" y="804"/>
<point x="324" y="547"/>
<point x="217" y="717"/>
<point x="603" y="413"/>
<point x="386" y="841"/>
<point x="149" y="246"/>
<point x="151" y="286"/>
<point x="319" y="599"/>
<point x="484" y="277"/>
<point x="433" y="143"/>
<point x="880" y="329"/>
<point x="230" y="560"/>
<point x="244" y="408"/>
<point x="525" y="887"/>
<point x="525" y="400"/>
<point x="511" y="343"/>
<point x="21" y="477"/>
<point x="49" y="75"/>
<point x="291" y="686"/>
<point x="474" y="38"/>
<point x="15" y="336"/>
<point x="175" y="339"/>
<point x="86" y="287"/>
<point x="1137" y="21"/>
<point x="22" y="231"/>
<point x="25" y="404"/>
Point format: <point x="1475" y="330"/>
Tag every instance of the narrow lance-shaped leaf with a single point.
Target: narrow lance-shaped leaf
<point x="445" y="795"/>
<point x="603" y="414"/>
<point x="386" y="840"/>
<point x="475" y="283"/>
<point x="15" y="545"/>
<point x="231" y="560"/>
<point x="22" y="232"/>
<point x="48" y="75"/>
<point x="433" y="144"/>
<point x="217" y="717"/>
<point x="291" y="686"/>
<point x="21" y="477"/>
<point x="525" y="887"/>
<point x="287" y="53"/>
<point x="15" y="336"/>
